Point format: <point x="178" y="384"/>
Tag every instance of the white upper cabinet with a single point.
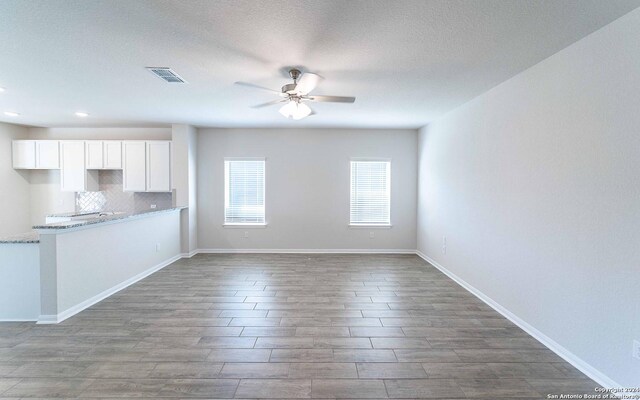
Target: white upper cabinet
<point x="104" y="154"/>
<point x="24" y="154"/>
<point x="146" y="165"/>
<point x="36" y="154"/>
<point x="134" y="171"/>
<point x="73" y="173"/>
<point x="94" y="154"/>
<point x="159" y="166"/>
<point x="112" y="154"/>
<point x="47" y="154"/>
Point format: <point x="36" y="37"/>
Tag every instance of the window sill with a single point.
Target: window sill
<point x="376" y="226"/>
<point x="244" y="226"/>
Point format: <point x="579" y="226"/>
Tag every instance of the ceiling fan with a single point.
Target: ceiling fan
<point x="297" y="93"/>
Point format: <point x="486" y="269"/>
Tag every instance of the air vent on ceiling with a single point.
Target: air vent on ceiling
<point x="166" y="74"/>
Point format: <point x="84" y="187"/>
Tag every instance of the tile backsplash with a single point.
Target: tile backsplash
<point x="112" y="198"/>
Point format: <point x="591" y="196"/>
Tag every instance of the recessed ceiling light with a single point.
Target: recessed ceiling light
<point x="11" y="113"/>
<point x="81" y="114"/>
<point x="2" y="89"/>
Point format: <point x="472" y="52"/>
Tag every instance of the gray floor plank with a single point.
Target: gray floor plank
<point x="284" y="326"/>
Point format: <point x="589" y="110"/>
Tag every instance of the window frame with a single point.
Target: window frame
<point x="226" y="192"/>
<point x="376" y="224"/>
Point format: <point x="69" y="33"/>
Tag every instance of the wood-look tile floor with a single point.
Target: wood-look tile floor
<point x="285" y="326"/>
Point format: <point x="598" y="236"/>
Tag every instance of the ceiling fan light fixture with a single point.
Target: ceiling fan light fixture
<point x="302" y="111"/>
<point x="296" y="110"/>
<point x="288" y="109"/>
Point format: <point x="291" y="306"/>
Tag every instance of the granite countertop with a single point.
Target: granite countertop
<point x="99" y="220"/>
<point x="29" y="237"/>
<point x="73" y="214"/>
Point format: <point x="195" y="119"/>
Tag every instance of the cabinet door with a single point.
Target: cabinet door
<point x="93" y="152"/>
<point x="112" y="154"/>
<point x="134" y="166"/>
<point x="24" y="154"/>
<point x="73" y="174"/>
<point x="159" y="166"/>
<point x="47" y="154"/>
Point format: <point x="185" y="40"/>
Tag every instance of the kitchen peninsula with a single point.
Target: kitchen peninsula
<point x="65" y="267"/>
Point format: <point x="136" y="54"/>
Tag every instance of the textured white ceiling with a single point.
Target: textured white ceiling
<point x="407" y="62"/>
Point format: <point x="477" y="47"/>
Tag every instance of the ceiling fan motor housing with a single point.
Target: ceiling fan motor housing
<point x="294" y="74"/>
<point x="291" y="87"/>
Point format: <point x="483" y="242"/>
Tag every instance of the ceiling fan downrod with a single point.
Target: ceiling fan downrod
<point x="290" y="88"/>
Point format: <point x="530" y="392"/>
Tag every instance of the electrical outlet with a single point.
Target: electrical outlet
<point x="157" y="247"/>
<point x="444" y="245"/>
<point x="636" y="349"/>
<point x="153" y="206"/>
<point x="372" y="235"/>
<point x="246" y="234"/>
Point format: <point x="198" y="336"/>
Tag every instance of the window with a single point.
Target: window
<point x="370" y="193"/>
<point x="244" y="192"/>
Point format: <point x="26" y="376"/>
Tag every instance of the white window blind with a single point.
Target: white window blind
<point x="370" y="193"/>
<point x="244" y="192"/>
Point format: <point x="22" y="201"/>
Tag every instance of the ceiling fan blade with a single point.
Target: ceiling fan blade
<point x="251" y="85"/>
<point x="332" y="99"/>
<point x="269" y="103"/>
<point x="307" y="82"/>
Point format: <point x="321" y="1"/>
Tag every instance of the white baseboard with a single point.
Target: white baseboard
<point x="47" y="319"/>
<point x="554" y="346"/>
<point x="305" y="251"/>
<point x="18" y="319"/>
<point x="57" y="318"/>
<point x="189" y="254"/>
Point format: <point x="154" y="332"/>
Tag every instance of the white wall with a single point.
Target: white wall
<point x="45" y="194"/>
<point x="19" y="281"/>
<point x="100" y="133"/>
<point x="307" y="187"/>
<point x="46" y="197"/>
<point x="536" y="185"/>
<point x="14" y="216"/>
<point x="192" y="141"/>
<point x="185" y="153"/>
<point x="80" y="266"/>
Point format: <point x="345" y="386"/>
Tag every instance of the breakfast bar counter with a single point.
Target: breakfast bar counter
<point x="60" y="269"/>
<point x="101" y="219"/>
